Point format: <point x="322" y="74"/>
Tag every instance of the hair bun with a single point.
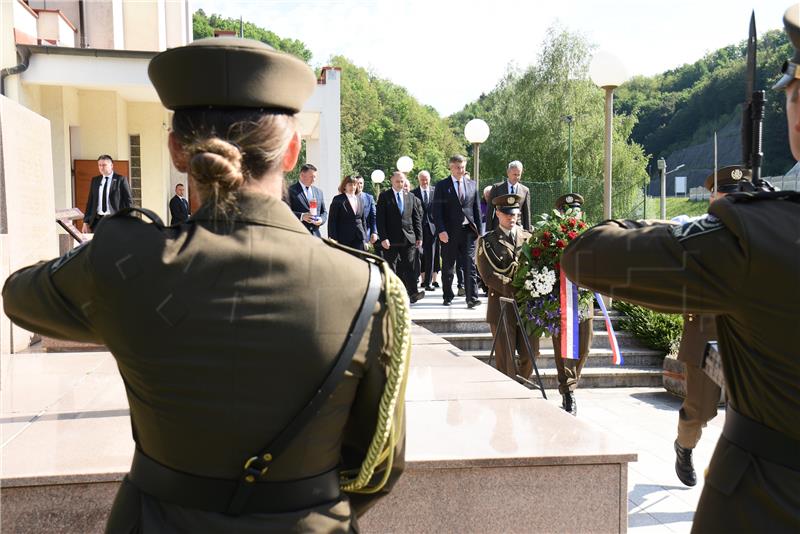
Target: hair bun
<point x="216" y="162"/>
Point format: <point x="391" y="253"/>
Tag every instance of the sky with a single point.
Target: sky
<point x="448" y="52"/>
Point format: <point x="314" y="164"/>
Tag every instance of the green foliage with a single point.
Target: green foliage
<point x="381" y="122"/>
<point x="204" y="26"/>
<point x="659" y="331"/>
<point x="676" y="206"/>
<point x="683" y="106"/>
<point x="525" y="113"/>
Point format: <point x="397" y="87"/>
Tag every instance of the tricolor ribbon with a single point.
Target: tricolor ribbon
<point x="612" y="337"/>
<point x="569" y="319"/>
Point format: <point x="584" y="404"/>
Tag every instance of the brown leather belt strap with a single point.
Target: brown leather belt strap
<point x="214" y="494"/>
<point x="760" y="440"/>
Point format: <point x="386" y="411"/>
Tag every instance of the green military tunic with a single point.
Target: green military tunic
<point x="222" y="331"/>
<point x="741" y="263"/>
<point x="497" y="255"/>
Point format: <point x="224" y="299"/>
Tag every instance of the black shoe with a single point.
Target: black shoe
<point x="447" y="302"/>
<point x="461" y="292"/>
<point x="568" y="403"/>
<point x="435" y="284"/>
<point x="684" y="467"/>
<point x="428" y="288"/>
<point x="416" y="296"/>
<point x="473" y="302"/>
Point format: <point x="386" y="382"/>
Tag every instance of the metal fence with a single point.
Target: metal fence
<point x="627" y="201"/>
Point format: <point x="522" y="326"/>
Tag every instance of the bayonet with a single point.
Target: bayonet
<point x="753" y="111"/>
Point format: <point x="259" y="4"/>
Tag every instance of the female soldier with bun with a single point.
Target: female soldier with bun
<point x="225" y="327"/>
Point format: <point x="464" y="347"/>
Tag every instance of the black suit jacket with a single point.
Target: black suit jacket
<point x="345" y="225"/>
<point x="399" y="229"/>
<point x="427" y="211"/>
<point x="501" y="188"/>
<point x="448" y="210"/>
<point x="119" y="197"/>
<point x="178" y="209"/>
<point x="299" y="205"/>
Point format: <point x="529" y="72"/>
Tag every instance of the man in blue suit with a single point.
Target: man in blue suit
<point x="457" y="217"/>
<point x="307" y="201"/>
<point x="371" y="234"/>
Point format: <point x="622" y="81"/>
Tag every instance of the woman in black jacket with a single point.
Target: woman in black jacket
<point x="347" y="222"/>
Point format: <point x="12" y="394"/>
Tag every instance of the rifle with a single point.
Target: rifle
<point x="753" y="117"/>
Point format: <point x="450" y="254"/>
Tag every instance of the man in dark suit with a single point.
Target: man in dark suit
<point x="430" y="243"/>
<point x="179" y="206"/>
<point x="109" y="193"/>
<point x="400" y="232"/>
<point x="369" y="212"/>
<point x="511" y="186"/>
<point x="307" y="201"/>
<point x="457" y="216"/>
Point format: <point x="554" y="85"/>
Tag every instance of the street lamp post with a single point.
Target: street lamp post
<point x="476" y="131"/>
<point x="377" y="177"/>
<point x="662" y="169"/>
<point x="569" y="119"/>
<point x="608" y="73"/>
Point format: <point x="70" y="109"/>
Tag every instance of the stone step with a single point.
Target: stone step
<point x="472" y="325"/>
<point x="483" y="340"/>
<point x="607" y="377"/>
<point x="598" y="357"/>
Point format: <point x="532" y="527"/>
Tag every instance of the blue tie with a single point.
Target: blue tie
<point x="399" y="202"/>
<point x="511" y="188"/>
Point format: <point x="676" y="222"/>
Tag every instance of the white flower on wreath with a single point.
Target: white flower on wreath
<point x="540" y="282"/>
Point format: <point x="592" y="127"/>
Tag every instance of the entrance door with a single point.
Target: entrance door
<point x="85" y="170"/>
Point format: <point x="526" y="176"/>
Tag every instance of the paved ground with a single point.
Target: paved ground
<point x="647" y="418"/>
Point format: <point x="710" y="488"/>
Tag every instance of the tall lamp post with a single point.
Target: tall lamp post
<point x="569" y="119"/>
<point x="476" y="131"/>
<point x="662" y="169"/>
<point x="608" y="73"/>
<point x="377" y="177"/>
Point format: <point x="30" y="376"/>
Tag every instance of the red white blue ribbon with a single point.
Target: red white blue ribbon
<point x="570" y="320"/>
<point x="612" y="337"/>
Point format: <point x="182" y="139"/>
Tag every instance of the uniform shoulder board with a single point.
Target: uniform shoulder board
<point x="700" y="226"/>
<point x="791" y="196"/>
<point x="363" y="254"/>
<point x="144" y="211"/>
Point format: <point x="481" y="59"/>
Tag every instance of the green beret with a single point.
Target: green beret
<point x="507" y="203"/>
<point x="228" y="72"/>
<point x="728" y="179"/>
<point x="791" y="23"/>
<point x="570" y="200"/>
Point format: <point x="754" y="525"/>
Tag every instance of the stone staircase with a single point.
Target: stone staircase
<point x="642" y="367"/>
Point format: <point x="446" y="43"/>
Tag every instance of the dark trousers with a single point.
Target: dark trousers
<point x="429" y="258"/>
<point x="460" y="247"/>
<point x="401" y="260"/>
<point x="357" y="244"/>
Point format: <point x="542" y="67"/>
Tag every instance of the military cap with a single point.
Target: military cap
<point x="791" y="22"/>
<point x="728" y="179"/>
<point x="228" y="72"/>
<point x="570" y="200"/>
<point x="507" y="203"/>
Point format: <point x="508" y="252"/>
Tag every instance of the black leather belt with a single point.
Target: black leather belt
<point x="215" y="494"/>
<point x="760" y="440"/>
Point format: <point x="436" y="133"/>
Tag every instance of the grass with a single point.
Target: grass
<point x="675" y="206"/>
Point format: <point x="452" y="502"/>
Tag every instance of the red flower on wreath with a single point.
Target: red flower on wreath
<point x="581" y="225"/>
<point x="546" y="235"/>
<point x="536" y="252"/>
<point x="560" y="243"/>
<point x="563" y="228"/>
<point x="572" y="235"/>
<point x="572" y="223"/>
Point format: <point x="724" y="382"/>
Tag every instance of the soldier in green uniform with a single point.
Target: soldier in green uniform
<point x="702" y="394"/>
<point x="569" y="370"/>
<point x="740" y="263"/>
<point x="498" y="251"/>
<point x="226" y="326"/>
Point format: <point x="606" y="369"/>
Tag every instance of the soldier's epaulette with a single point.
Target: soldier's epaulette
<point x="144" y="211"/>
<point x="363" y="254"/>
<point x="748" y="196"/>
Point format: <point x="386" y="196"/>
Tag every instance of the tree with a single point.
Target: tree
<point x="524" y="113"/>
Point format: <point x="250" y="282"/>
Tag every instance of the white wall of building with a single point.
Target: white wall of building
<point x="61" y="107"/>
<point x="149" y="121"/>
<point x="177" y="20"/>
<point x="144" y="24"/>
<point x="23" y="19"/>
